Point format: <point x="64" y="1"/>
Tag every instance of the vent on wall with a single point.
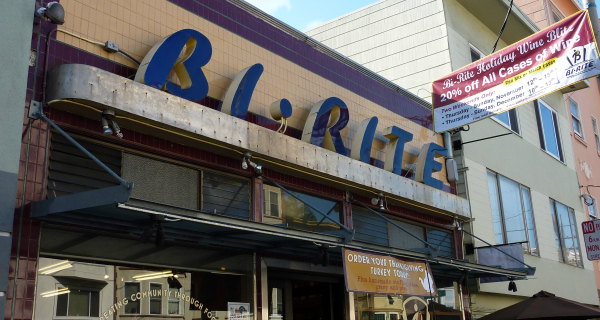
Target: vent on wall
<point x="71" y="171"/>
<point x="162" y="182"/>
<point x="369" y="227"/>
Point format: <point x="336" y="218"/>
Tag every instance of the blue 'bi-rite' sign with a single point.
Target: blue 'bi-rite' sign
<point x="325" y="121"/>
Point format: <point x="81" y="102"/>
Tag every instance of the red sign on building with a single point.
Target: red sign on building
<point x="549" y="60"/>
<point x="591" y="235"/>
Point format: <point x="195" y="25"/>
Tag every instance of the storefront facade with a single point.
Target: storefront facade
<point x="244" y="191"/>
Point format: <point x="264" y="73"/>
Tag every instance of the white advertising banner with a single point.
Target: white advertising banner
<point x="554" y="58"/>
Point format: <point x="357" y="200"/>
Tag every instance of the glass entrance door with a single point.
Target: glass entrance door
<point x="304" y="298"/>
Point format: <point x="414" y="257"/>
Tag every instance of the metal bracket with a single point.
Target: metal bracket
<point x="35" y="109"/>
<point x="36" y="112"/>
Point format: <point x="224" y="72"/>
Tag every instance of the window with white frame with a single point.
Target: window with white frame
<point x="510" y="118"/>
<point x="271" y="201"/>
<point x="576" y="118"/>
<point x="174" y="307"/>
<point x="475" y="54"/>
<point x="77" y="302"/>
<point x="548" y="130"/>
<point x="155" y="300"/>
<point x="512" y="213"/>
<point x="596" y="133"/>
<point x="565" y="231"/>
<point x="133" y="307"/>
<point x="555" y="13"/>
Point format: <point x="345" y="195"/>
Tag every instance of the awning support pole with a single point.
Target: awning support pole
<point x="433" y="251"/>
<point x="350" y="231"/>
<point x="36" y="112"/>
<point x="493" y="246"/>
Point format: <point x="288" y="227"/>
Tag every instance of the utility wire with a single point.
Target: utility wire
<point x="128" y="56"/>
<point x="503" y="25"/>
<point x="103" y="45"/>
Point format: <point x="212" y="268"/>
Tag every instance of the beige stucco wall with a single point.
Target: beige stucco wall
<point x="404" y="41"/>
<point x="136" y="25"/>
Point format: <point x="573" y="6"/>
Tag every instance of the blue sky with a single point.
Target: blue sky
<point x="304" y="14"/>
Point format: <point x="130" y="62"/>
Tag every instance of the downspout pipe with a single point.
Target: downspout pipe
<point x="590" y="6"/>
<point x="448" y="145"/>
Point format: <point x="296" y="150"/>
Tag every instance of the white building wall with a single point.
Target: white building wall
<point x="404" y="41"/>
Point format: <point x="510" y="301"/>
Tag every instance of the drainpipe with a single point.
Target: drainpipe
<point x="590" y="6"/>
<point x="451" y="169"/>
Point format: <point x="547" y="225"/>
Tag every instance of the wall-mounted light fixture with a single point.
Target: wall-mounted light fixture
<point x="587" y="197"/>
<point x="322" y="257"/>
<point x="379" y="201"/>
<point x="53" y="12"/>
<point x="247" y="162"/>
<point x="155" y="223"/>
<point x="109" y="115"/>
<point x="512" y="286"/>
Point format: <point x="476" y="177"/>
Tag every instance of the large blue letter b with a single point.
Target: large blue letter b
<point x="164" y="57"/>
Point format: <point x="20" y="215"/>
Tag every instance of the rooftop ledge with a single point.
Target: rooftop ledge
<point x="86" y="91"/>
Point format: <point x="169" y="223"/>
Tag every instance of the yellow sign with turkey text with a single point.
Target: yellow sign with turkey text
<point x="373" y="273"/>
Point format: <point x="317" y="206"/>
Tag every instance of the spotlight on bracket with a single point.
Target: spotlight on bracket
<point x="247" y="162"/>
<point x="53" y="12"/>
<point x="378" y="200"/>
<point x="512" y="286"/>
<point x="109" y="115"/>
<point x="322" y="257"/>
<point x="106" y="130"/>
<point x="588" y="199"/>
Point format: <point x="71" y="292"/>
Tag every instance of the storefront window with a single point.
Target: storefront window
<point x="369" y="306"/>
<point x="189" y="282"/>
<point x="77" y="303"/>
<point x="173" y="301"/>
<point x="280" y="207"/>
<point x="131" y="288"/>
<point x="155" y="301"/>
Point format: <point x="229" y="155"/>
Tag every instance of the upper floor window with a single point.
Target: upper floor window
<point x="475" y="54"/>
<point x="512" y="213"/>
<point x="548" y="130"/>
<point x="565" y="231"/>
<point x="280" y="207"/>
<point x="372" y="228"/>
<point x="508" y="118"/>
<point x="596" y="133"/>
<point x="576" y="118"/>
<point x="271" y="202"/>
<point x="556" y="14"/>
